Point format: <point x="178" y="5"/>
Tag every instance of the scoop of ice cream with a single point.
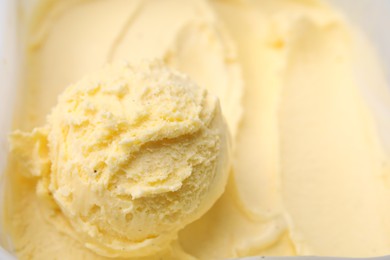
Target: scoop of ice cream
<point x="136" y="154"/>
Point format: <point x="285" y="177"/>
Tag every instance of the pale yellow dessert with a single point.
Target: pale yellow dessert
<point x="310" y="163"/>
<point x="130" y="155"/>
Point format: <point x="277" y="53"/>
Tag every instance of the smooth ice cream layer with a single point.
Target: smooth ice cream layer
<point x="130" y="155"/>
<point x="311" y="173"/>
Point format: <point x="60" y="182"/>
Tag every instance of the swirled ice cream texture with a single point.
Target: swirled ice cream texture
<point x="310" y="171"/>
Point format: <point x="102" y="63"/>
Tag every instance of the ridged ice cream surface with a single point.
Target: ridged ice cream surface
<point x="130" y="155"/>
<point x="131" y="161"/>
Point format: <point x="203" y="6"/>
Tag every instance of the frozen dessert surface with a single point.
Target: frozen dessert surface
<point x="130" y="155"/>
<point x="310" y="172"/>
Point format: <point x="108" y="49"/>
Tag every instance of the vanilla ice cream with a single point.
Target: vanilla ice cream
<point x="130" y="155"/>
<point x="310" y="172"/>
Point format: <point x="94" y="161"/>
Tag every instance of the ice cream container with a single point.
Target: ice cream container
<point x="370" y="16"/>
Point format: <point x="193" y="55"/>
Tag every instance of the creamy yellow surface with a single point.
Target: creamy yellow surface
<point x="310" y="175"/>
<point x="130" y="155"/>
